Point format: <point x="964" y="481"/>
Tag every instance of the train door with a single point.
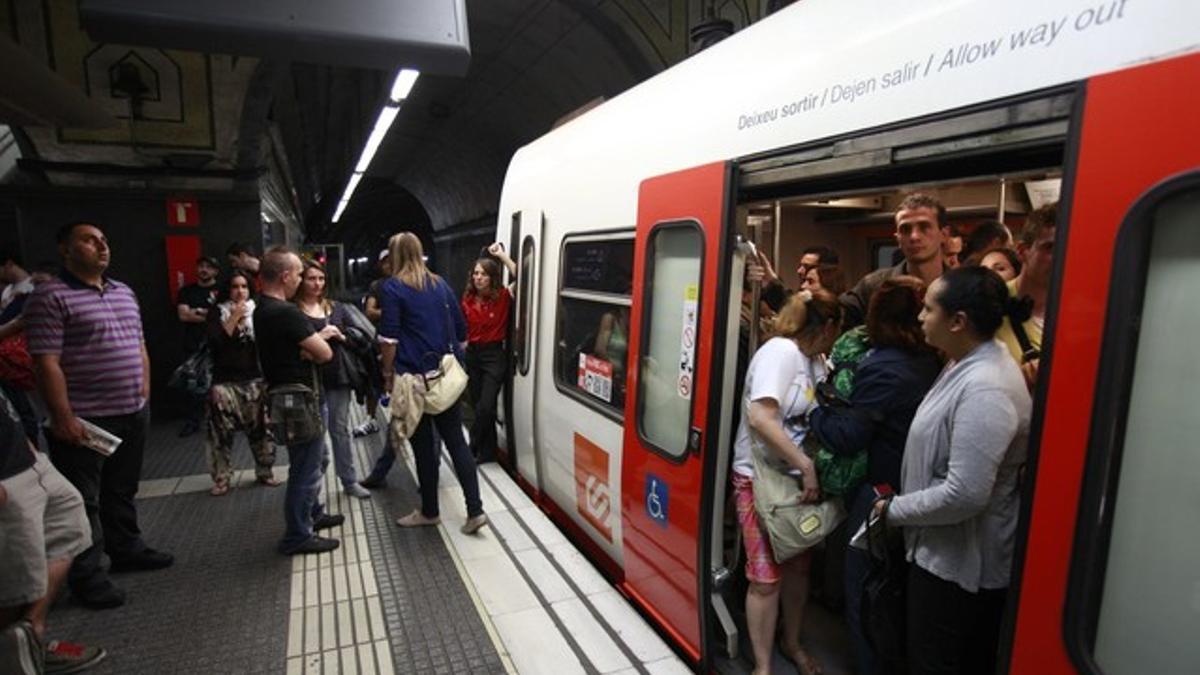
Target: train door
<point x="681" y="262"/>
<point x="1115" y="458"/>
<point x="528" y="229"/>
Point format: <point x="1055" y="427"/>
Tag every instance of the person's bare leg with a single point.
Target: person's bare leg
<point x="795" y="598"/>
<point x="56" y="574"/>
<point x="762" y="613"/>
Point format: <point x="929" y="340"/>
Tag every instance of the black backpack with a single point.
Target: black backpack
<point x="884" y="599"/>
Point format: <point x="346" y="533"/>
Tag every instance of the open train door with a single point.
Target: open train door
<point x="1115" y="457"/>
<point x="680" y="274"/>
<point x="528" y="228"/>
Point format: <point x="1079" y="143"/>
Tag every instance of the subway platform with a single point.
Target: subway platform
<point x="516" y="597"/>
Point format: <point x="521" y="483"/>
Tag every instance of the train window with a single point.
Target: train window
<point x="525" y="284"/>
<point x="665" y="376"/>
<point x="1147" y="588"/>
<point x="593" y="321"/>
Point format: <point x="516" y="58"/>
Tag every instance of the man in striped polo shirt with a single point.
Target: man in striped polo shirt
<point x="85" y="334"/>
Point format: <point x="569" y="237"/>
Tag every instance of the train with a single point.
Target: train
<point x="632" y="223"/>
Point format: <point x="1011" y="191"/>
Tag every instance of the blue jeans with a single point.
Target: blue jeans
<point x="302" y="502"/>
<point x="425" y="451"/>
<point x="335" y="412"/>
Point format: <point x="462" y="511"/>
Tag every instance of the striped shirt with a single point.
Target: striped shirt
<point x="97" y="333"/>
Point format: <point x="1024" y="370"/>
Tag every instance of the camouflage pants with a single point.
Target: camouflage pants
<point x="234" y="407"/>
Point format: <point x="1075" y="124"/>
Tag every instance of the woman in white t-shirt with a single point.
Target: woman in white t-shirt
<point x="780" y="391"/>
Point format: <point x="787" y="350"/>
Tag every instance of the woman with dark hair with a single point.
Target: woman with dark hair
<point x="487" y="306"/>
<point x="1003" y="261"/>
<point x="423" y="322"/>
<point x="779" y="392"/>
<point x="235" y="401"/>
<point x="889" y="383"/>
<point x="336" y="390"/>
<point x="959" y="479"/>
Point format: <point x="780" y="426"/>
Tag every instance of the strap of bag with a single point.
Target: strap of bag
<point x="1028" y="351"/>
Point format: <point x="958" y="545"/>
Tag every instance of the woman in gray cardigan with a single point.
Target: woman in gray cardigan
<point x="959" y="479"/>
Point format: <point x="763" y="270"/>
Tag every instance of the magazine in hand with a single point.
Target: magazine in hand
<point x="98" y="439"/>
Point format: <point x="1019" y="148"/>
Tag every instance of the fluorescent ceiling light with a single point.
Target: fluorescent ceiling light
<point x="337" y="213"/>
<point x="405" y="79"/>
<point x="351" y="186"/>
<point x="386" y="117"/>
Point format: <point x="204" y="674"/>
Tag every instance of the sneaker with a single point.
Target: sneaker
<point x="417" y="519"/>
<point x="146" y="559"/>
<point x="366" y="429"/>
<point x="20" y="650"/>
<point x="373" y="482"/>
<point x="101" y="596"/>
<point x="474" y="523"/>
<point x="328" y="520"/>
<point x="355" y="490"/>
<point x="69" y="657"/>
<point x="315" y="545"/>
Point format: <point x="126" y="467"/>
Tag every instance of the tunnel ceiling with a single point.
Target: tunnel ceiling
<point x="218" y="122"/>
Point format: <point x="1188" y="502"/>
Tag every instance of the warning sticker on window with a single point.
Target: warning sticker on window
<point x="595" y="377"/>
<point x="687" y="342"/>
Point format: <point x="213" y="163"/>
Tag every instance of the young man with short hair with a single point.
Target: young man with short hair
<point x="288" y="348"/>
<point x="1036" y="248"/>
<point x="192" y="307"/>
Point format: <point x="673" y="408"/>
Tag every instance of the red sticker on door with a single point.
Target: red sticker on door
<point x="591" y="485"/>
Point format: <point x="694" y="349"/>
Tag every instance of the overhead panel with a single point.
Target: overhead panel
<point x="427" y="35"/>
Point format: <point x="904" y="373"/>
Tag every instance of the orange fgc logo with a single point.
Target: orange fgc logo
<point x="591" y="485"/>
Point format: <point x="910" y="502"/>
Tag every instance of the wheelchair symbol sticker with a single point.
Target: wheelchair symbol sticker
<point x="657" y="499"/>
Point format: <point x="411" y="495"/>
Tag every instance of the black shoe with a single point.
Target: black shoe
<point x="146" y="559"/>
<point x="315" y="545"/>
<point x="373" y="482"/>
<point x="101" y="596"/>
<point x="328" y="520"/>
<point x="189" y="427"/>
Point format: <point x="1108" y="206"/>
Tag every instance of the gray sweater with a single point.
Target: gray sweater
<point x="959" y="494"/>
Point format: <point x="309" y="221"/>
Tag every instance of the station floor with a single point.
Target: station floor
<point x="516" y="597"/>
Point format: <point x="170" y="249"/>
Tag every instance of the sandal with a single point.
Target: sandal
<point x="219" y="488"/>
<point x="269" y="481"/>
<point x="417" y="519"/>
<point x="803" y="661"/>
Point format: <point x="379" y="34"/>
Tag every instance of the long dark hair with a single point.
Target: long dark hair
<point x="983" y="296"/>
<point x="892" y="314"/>
<point x="228" y="285"/>
<point x="492" y="269"/>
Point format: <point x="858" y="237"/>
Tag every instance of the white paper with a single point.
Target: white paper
<point x="98" y="439"/>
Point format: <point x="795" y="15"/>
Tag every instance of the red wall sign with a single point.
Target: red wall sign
<point x="183" y="212"/>
<point x="182" y="251"/>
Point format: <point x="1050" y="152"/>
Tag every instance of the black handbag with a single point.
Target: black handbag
<point x="884" y="599"/>
<point x="194" y="375"/>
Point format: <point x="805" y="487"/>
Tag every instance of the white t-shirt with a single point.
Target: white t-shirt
<point x="779" y="371"/>
<point x="11" y="291"/>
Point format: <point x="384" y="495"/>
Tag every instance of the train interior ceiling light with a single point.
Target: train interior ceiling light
<point x="401" y="87"/>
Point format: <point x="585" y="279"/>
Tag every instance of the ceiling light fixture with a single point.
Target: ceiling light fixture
<point x="401" y="87"/>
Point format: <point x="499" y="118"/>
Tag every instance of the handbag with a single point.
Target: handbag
<point x="884" y="603"/>
<point x="194" y="375"/>
<point x="791" y="525"/>
<point x="16" y="365"/>
<point x="294" y="413"/>
<point x="445" y="384"/>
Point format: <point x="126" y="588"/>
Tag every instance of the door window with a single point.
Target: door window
<point x="1149" y="600"/>
<point x="666" y="377"/>
<point x="525" y="284"/>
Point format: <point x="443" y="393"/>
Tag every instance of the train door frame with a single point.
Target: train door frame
<point x="525" y="352"/>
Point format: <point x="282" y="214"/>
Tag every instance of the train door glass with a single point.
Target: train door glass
<point x="668" y="363"/>
<point x="1150" y="602"/>
<point x="524" y="304"/>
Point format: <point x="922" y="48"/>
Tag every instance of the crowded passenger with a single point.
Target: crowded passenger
<point x="373" y="314"/>
<point x="85" y="334"/>
<point x="959" y="492"/>
<point x="1003" y="261"/>
<point x="192" y="307"/>
<point x="824" y="277"/>
<point x="43" y="526"/>
<point x="987" y="235"/>
<point x="774" y="293"/>
<point x="288" y="348"/>
<point x="888" y="384"/>
<point x="487" y="307"/>
<point x="779" y="393"/>
<point x="18" y="284"/>
<point x="421" y="315"/>
<point x="236" y="400"/>
<point x="241" y="257"/>
<point x="1036" y="249"/>
<point x="336" y="386"/>
<point x="920" y="222"/>
<point x="952" y="247"/>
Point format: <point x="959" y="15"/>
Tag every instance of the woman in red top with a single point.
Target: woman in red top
<point x="487" y="306"/>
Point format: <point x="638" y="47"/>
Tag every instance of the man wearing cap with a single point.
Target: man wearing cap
<point x="192" y="307"/>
